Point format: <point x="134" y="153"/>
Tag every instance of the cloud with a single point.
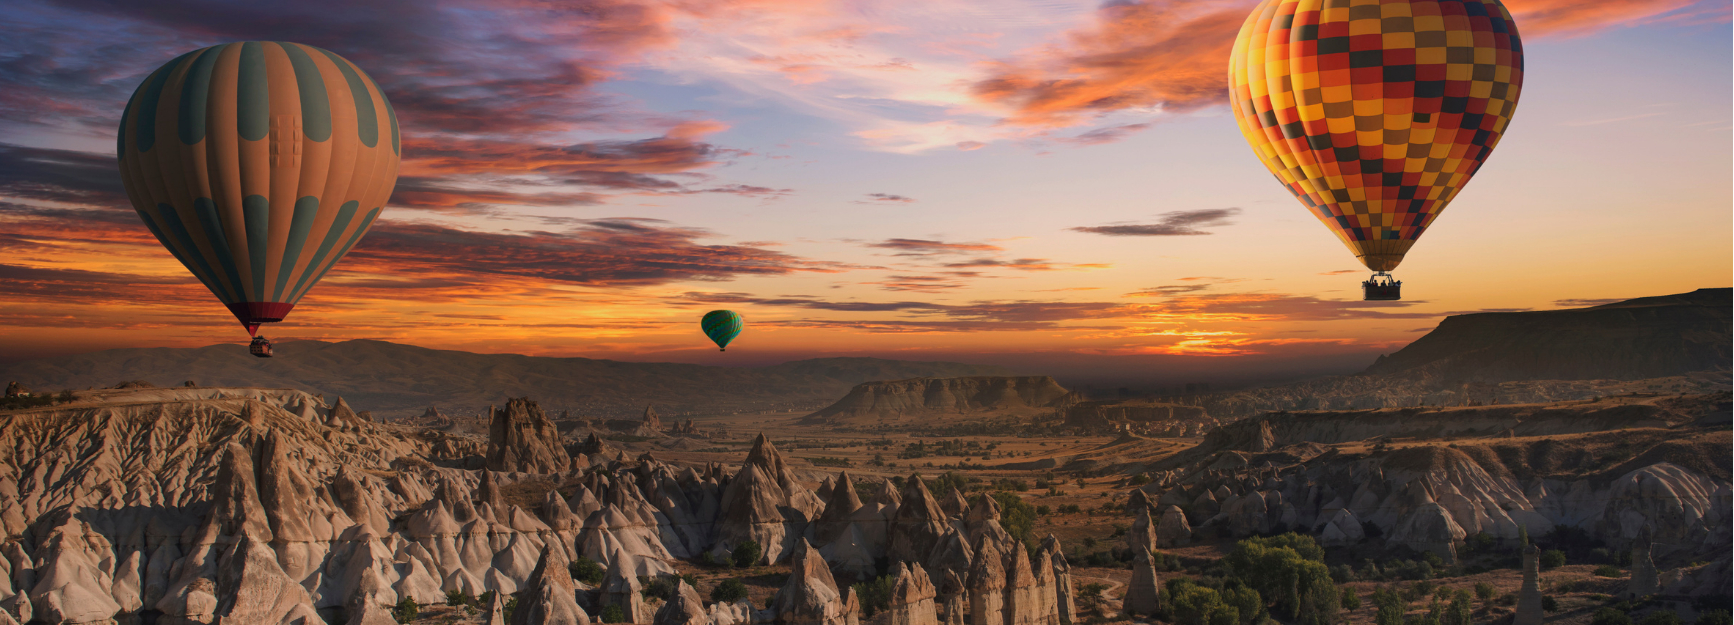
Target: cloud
<point x="599" y="252"/>
<point x="1171" y="55"/>
<point x="1167" y="55"/>
<point x="1027" y="264"/>
<point x="1585" y="303"/>
<point x="1106" y="135"/>
<point x="886" y="198"/>
<point x="1177" y="223"/>
<point x="60" y="176"/>
<point x="1341" y="272"/>
<point x="1168" y="291"/>
<point x="927" y="247"/>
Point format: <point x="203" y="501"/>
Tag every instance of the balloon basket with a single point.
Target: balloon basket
<point x="260" y="347"/>
<point x="1382" y="287"/>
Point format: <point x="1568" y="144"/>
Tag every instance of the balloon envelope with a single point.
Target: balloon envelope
<point x="258" y="165"/>
<point x="722" y="326"/>
<point x="1375" y="113"/>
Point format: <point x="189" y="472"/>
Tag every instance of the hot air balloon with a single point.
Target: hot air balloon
<point x="1375" y="113"/>
<point x="722" y="326"/>
<point x="258" y="165"/>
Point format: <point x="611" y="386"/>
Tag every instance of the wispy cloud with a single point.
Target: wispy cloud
<point x="1177" y="223"/>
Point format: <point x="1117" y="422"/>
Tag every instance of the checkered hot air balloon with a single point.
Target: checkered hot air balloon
<point x="722" y="326"/>
<point x="1375" y="113"/>
<point x="258" y="165"/>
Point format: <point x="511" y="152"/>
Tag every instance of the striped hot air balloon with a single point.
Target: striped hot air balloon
<point x="258" y="165"/>
<point x="1375" y="113"/>
<point x="722" y="326"/>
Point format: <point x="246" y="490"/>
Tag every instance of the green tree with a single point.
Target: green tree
<point x="1661" y="617"/>
<point x="1391" y="607"/>
<point x="1460" y="611"/>
<point x="586" y="570"/>
<point x="458" y="597"/>
<point x="1288" y="570"/>
<point x="1191" y="604"/>
<point x="405" y="611"/>
<point x="875" y="595"/>
<point x="1351" y="601"/>
<point x="747" y="554"/>
<point x="1713" y="617"/>
<point x="730" y="591"/>
<point x="613" y="614"/>
<point x="1552" y="559"/>
<point x="1610" y="616"/>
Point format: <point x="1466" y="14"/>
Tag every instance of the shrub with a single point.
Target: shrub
<point x="1459" y="612"/>
<point x="458" y="597"/>
<point x="730" y="591"/>
<point x="875" y="595"/>
<point x="586" y="570"/>
<point x="405" y="611"/>
<point x="665" y="586"/>
<point x="1607" y="570"/>
<point x="1713" y="617"/>
<point x="1351" y="600"/>
<point x="1610" y="616"/>
<point x="1288" y="569"/>
<point x="1550" y="604"/>
<point x="613" y="614"/>
<point x="1552" y="559"/>
<point x="1661" y="617"/>
<point x="510" y="607"/>
<point x="747" y="554"/>
<point x="1391" y="607"/>
<point x="1484" y="591"/>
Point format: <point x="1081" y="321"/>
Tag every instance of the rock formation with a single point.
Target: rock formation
<point x="521" y="439"/>
<point x="548" y="596"/>
<point x="912" y="597"/>
<point x="1644" y="580"/>
<point x="1142" y="593"/>
<point x="621" y="589"/>
<point x="925" y="397"/>
<point x="918" y="525"/>
<point x="684" y="608"/>
<point x="810" y="597"/>
<point x="1529" y="596"/>
<point x="986" y="588"/>
<point x="1065" y="608"/>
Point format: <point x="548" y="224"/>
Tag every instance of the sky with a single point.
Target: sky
<point x="1054" y="186"/>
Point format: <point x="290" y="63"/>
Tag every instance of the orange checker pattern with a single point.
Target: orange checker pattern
<point x="1375" y="113"/>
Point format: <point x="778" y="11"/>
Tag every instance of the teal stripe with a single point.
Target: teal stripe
<point x="157" y="231"/>
<point x="306" y="210"/>
<point x="213" y="228"/>
<point x="315" y="106"/>
<point x="338" y="225"/>
<point x="172" y="219"/>
<point x="360" y="230"/>
<point x="253" y="94"/>
<point x="257" y="211"/>
<point x="147" y="108"/>
<point x="367" y="120"/>
<point x="196" y="95"/>
<point x="392" y="114"/>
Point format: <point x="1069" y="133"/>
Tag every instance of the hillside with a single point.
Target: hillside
<point x="925" y="398"/>
<point x="1651" y="337"/>
<point x="394" y="380"/>
<point x="1671" y="344"/>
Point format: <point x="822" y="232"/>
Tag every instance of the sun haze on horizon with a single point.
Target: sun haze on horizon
<point x="1030" y="182"/>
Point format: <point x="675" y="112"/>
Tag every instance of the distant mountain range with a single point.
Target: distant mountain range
<point x="393" y="380"/>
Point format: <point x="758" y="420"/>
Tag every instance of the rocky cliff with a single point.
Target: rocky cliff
<point x="1651" y="337"/>
<point x="919" y="398"/>
<point x="395" y="380"/>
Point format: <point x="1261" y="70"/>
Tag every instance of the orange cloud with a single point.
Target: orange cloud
<point x="1172" y="55"/>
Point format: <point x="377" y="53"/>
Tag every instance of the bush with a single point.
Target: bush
<point x="1610" y="616"/>
<point x="1484" y="591"/>
<point x="459" y="597"/>
<point x="747" y="554"/>
<point x="1713" y="617"/>
<point x="1550" y="604"/>
<point x="586" y="570"/>
<point x="1552" y="559"/>
<point x="665" y="586"/>
<point x="1288" y="569"/>
<point x="406" y="610"/>
<point x="613" y="614"/>
<point x="1661" y="617"/>
<point x="510" y="607"/>
<point x="730" y="591"/>
<point x="1459" y="612"/>
<point x="875" y="595"/>
<point x="1391" y="607"/>
<point x="1351" y="600"/>
<point x="1607" y="570"/>
<point x="1016" y="516"/>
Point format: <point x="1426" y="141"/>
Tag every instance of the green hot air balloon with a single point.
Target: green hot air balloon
<point x="258" y="165"/>
<point x="722" y="326"/>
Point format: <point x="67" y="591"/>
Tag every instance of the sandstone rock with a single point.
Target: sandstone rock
<point x="986" y="588"/>
<point x="1065" y="608"/>
<point x="548" y="597"/>
<point x="684" y="608"/>
<point x="810" y="597"/>
<point x="840" y="507"/>
<point x="521" y="439"/>
<point x="622" y="589"/>
<point x="1142" y="536"/>
<point x="1174" y="531"/>
<point x="1529" y="595"/>
<point x="1142" y="593"/>
<point x="1024" y="600"/>
<point x="912" y="598"/>
<point x="71" y="587"/>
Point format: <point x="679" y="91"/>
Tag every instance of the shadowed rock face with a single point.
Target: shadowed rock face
<point x="521" y="439"/>
<point x="922" y="397"/>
